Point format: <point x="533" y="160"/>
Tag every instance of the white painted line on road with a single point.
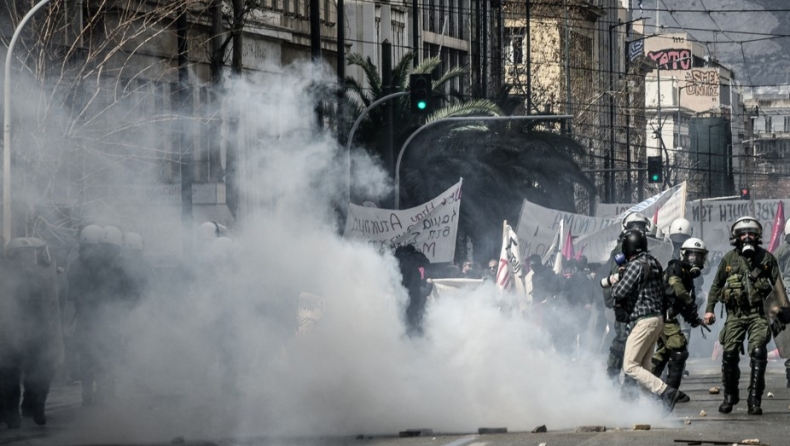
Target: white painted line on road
<point x="463" y="440"/>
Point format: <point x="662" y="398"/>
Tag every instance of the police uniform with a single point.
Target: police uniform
<point x="672" y="349"/>
<point x="742" y="283"/>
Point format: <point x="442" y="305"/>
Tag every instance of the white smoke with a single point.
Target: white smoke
<point x="213" y="351"/>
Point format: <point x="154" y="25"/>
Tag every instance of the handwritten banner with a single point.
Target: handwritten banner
<point x="431" y="227"/>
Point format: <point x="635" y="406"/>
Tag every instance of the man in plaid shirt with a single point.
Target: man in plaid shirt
<point x="641" y="293"/>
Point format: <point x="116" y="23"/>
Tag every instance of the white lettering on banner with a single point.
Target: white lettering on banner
<point x="431" y="227"/>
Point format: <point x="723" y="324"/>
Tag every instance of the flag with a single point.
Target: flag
<point x="779" y="226"/>
<point x="635" y="49"/>
<point x="567" y="248"/>
<point x="510" y="275"/>
<point x="559" y="249"/>
<point x="581" y="252"/>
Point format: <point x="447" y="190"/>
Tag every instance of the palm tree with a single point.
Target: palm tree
<point x="500" y="169"/>
<point x="501" y="164"/>
<point x="370" y="132"/>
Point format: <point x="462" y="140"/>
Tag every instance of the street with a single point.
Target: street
<point x="70" y="424"/>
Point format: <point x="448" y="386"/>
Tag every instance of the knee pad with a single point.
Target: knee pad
<point x="679" y="355"/>
<point x="731" y="357"/>
<point x="760" y="353"/>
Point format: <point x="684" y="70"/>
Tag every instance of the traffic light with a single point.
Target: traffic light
<point x="420" y="94"/>
<point x="745" y="195"/>
<point x="655" y="169"/>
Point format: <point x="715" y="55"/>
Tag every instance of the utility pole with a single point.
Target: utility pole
<point x="315" y="51"/>
<point x="341" y="71"/>
<point x="529" y="58"/>
<point x="389" y="109"/>
<point x="415" y="32"/>
<point x="185" y="137"/>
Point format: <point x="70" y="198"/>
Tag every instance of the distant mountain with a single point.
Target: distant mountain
<point x="758" y="59"/>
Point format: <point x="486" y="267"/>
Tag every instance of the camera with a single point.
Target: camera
<point x="620" y="260"/>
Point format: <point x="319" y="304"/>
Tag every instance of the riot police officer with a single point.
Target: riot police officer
<point x="37" y="344"/>
<point x="745" y="277"/>
<point x="96" y="286"/>
<point x="614" y="363"/>
<point x="672" y="349"/>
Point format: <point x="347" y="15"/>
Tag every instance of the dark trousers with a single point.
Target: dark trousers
<point x="34" y="368"/>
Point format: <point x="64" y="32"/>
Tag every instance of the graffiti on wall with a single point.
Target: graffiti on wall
<point x="669" y="59"/>
<point x="702" y="83"/>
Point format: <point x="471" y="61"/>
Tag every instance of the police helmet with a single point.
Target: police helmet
<point x="91" y="235"/>
<point x="745" y="225"/>
<point x="133" y="241"/>
<point x="636" y="220"/>
<point x="694" y="252"/>
<point x="679" y="230"/>
<point x="113" y="236"/>
<point x="210" y="230"/>
<point x="634" y="242"/>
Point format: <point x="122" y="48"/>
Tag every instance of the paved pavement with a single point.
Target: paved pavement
<point x="70" y="424"/>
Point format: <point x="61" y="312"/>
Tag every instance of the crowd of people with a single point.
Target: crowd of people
<point x="79" y="317"/>
<point x="79" y="313"/>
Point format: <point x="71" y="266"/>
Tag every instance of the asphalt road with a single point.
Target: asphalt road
<point x="686" y="423"/>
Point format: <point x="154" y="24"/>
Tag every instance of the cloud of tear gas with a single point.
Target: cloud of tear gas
<point x="299" y="332"/>
<point x="296" y="331"/>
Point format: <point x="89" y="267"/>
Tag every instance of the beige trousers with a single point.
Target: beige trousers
<point x="639" y="348"/>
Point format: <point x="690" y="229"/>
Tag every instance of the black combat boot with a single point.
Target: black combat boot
<point x="675" y="366"/>
<point x="730" y="375"/>
<point x="757" y="381"/>
<point x="668" y="398"/>
<point x="787" y="375"/>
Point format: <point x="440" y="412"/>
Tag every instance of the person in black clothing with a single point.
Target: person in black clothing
<point x="36" y="344"/>
<point x="412" y="265"/>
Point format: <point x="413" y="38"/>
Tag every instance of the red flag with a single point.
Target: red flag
<point x="779" y="226"/>
<point x="567" y="248"/>
<point x="581" y="252"/>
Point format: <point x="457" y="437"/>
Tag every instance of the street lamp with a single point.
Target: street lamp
<point x="7" y="122"/>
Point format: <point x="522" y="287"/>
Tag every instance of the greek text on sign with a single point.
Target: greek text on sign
<point x="431" y="227"/>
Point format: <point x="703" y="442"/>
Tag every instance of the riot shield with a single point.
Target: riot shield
<point x="776" y="300"/>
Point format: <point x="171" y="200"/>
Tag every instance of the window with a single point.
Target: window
<point x="768" y="126"/>
<point x="787" y="124"/>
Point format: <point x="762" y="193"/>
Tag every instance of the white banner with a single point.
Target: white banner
<point x="431" y="227"/>
<point x="674" y="207"/>
<point x="713" y="219"/>
<point x="537" y="227"/>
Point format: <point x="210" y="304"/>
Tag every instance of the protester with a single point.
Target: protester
<point x="412" y="265"/>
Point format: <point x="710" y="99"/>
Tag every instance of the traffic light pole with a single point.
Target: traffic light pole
<point x="354" y="130"/>
<point x="462" y="119"/>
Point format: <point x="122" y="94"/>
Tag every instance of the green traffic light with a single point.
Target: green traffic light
<point x="422" y="105"/>
<point x="655" y="177"/>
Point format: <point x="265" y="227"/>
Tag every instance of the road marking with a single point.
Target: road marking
<point x="463" y="440"/>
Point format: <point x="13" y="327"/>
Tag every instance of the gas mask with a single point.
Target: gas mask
<point x="748" y="245"/>
<point x="696" y="260"/>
